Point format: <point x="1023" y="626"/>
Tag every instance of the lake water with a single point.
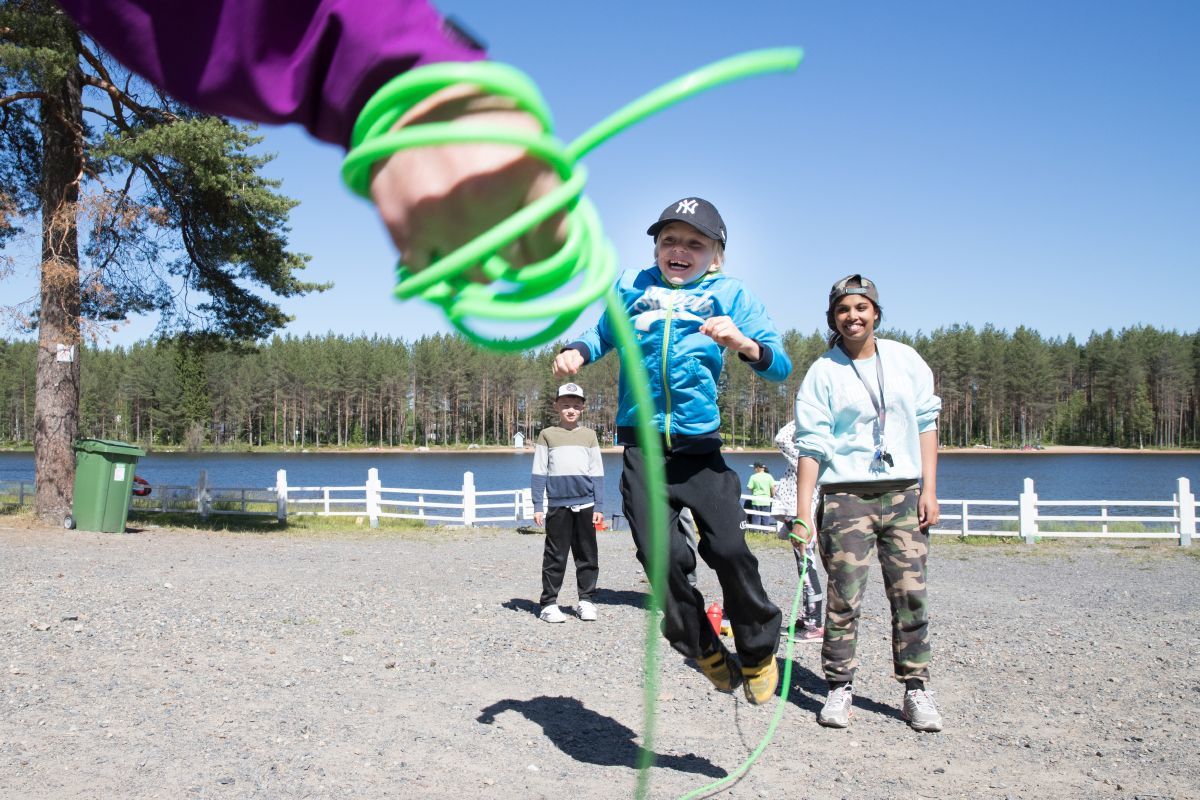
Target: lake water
<point x="970" y="476"/>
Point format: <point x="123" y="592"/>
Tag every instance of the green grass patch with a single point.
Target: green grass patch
<point x="312" y="526"/>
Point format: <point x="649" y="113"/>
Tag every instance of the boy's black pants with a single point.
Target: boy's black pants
<point x="703" y="483"/>
<point x="570" y="532"/>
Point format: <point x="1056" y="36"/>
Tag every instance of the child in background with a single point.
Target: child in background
<point x="762" y="489"/>
<point x="811" y="627"/>
<point x="686" y="314"/>
<point x="567" y="468"/>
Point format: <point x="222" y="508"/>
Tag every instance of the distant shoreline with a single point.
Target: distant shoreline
<point x="1051" y="450"/>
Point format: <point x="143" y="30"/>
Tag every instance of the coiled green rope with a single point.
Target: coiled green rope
<point x="557" y="290"/>
<point x="786" y="682"/>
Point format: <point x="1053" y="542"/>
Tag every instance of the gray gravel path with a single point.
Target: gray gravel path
<point x="179" y="664"/>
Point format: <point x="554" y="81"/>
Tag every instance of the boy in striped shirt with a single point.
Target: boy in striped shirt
<point x="567" y="469"/>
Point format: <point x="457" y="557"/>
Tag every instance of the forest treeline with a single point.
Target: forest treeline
<point x="1136" y="388"/>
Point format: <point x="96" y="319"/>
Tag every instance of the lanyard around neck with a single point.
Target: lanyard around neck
<point x="878" y="402"/>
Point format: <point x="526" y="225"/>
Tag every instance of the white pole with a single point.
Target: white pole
<point x="1027" y="513"/>
<point x="1187" y="512"/>
<point x="202" y="504"/>
<point x="965" y="527"/>
<point x="373" y="486"/>
<point x="468" y="489"/>
<point x="281" y="495"/>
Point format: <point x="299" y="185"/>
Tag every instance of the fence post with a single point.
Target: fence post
<point x="1187" y="512"/>
<point x="281" y="495"/>
<point x="202" y="499"/>
<point x="421" y="506"/>
<point x="1104" y="520"/>
<point x="468" y="489"/>
<point x="1027" y="513"/>
<point x="965" y="527"/>
<point x="373" y="486"/>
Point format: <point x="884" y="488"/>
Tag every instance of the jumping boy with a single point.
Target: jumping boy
<point x="687" y="313"/>
<point x="567" y="468"/>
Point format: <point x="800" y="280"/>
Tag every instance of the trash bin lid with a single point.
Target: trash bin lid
<point x="108" y="446"/>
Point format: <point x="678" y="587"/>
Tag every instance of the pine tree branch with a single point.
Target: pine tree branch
<point x="103" y="81"/>
<point x="12" y="98"/>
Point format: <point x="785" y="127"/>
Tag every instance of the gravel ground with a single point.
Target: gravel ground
<point x="179" y="664"/>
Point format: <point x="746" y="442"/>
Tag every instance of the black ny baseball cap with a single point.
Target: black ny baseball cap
<point x="699" y="213"/>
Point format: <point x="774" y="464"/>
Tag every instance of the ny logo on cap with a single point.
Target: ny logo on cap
<point x="686" y="207"/>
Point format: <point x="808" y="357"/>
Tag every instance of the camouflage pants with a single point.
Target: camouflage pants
<point x="852" y="524"/>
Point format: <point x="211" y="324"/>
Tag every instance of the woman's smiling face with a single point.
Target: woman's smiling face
<point x="683" y="253"/>
<point x="855" y="317"/>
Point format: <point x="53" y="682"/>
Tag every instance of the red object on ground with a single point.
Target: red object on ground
<point x="714" y="617"/>
<point x="141" y="486"/>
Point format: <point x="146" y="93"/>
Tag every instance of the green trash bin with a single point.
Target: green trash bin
<point x="103" y="483"/>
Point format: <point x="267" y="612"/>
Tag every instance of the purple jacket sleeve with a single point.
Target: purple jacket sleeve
<point x="315" y="62"/>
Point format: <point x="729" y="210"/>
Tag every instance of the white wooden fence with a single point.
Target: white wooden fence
<point x="1110" y="519"/>
<point x="466" y="506"/>
<point x="1028" y="516"/>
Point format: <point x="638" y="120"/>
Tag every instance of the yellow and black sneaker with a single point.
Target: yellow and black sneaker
<point x="759" y="681"/>
<point x="722" y="668"/>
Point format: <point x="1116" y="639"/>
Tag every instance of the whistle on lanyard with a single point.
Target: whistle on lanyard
<point x="882" y="456"/>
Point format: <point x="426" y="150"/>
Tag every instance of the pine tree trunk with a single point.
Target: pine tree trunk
<point x="56" y="407"/>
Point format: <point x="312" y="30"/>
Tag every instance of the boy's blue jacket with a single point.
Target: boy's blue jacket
<point x="684" y="364"/>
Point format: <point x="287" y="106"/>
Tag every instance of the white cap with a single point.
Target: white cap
<point x="571" y="390"/>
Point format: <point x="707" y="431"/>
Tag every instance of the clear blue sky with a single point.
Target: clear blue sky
<point x="1014" y="163"/>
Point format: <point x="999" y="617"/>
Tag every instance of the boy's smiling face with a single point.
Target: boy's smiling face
<point x="683" y="253"/>
<point x="569" y="409"/>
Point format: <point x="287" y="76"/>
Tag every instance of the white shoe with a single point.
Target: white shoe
<point x="921" y="712"/>
<point x="587" y="611"/>
<point x="836" y="713"/>
<point x="552" y="613"/>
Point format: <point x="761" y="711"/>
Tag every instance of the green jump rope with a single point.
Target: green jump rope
<point x="586" y="263"/>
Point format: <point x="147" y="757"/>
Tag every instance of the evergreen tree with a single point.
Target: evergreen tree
<point x="176" y="218"/>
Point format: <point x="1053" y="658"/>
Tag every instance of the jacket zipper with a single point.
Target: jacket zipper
<point x="665" y="378"/>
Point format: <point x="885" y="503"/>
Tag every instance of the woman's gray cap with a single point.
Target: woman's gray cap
<point x="854" y="284"/>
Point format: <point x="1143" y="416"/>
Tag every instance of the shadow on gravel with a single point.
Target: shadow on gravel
<point x="807" y="686"/>
<point x="620" y="597"/>
<point x="874" y="706"/>
<point x="592" y="738"/>
<point x="601" y="597"/>
<point x="521" y="604"/>
<point x="808" y="692"/>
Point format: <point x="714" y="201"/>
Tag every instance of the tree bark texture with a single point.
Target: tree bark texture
<point x="56" y="408"/>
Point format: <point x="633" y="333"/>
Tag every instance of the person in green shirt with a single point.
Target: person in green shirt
<point x="762" y="487"/>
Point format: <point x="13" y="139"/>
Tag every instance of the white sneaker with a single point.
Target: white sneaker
<point x="921" y="712"/>
<point x="836" y="713"/>
<point x="587" y="611"/>
<point x="552" y="613"/>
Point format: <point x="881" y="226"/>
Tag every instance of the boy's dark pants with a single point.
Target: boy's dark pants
<point x="570" y="532"/>
<point x="703" y="483"/>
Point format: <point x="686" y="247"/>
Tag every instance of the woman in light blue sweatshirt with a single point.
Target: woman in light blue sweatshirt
<point x="866" y="433"/>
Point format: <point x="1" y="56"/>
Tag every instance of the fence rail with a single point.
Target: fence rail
<point x="1029" y="522"/>
<point x="16" y="493"/>
<point x="1029" y="518"/>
